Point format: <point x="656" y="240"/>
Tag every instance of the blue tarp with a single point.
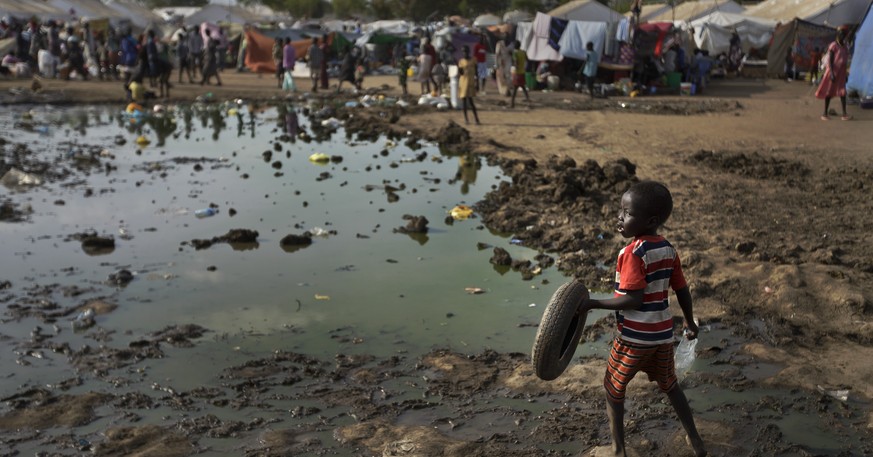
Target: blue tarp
<point x="861" y="72"/>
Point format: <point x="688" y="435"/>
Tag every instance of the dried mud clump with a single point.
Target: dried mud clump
<point x="453" y="138"/>
<point x="233" y="236"/>
<point x="561" y="207"/>
<point x="751" y="165"/>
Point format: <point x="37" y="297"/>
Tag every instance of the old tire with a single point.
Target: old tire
<point x="559" y="332"/>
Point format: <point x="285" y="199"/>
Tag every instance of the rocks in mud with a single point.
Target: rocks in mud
<point x="453" y="138"/>
<point x="304" y="239"/>
<point x="92" y="243"/>
<point x="9" y="212"/>
<point x="501" y="257"/>
<point x="415" y="224"/>
<point x="751" y="165"/>
<point x="146" y="440"/>
<point x="121" y="277"/>
<point x="179" y="335"/>
<point x="558" y="206"/>
<point x="233" y="236"/>
<point x="39" y="409"/>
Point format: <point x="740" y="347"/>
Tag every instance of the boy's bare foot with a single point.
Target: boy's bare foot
<point x="608" y="451"/>
<point x="697" y="446"/>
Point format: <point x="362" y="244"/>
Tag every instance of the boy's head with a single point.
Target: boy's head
<point x="589" y="46"/>
<point x="644" y="207"/>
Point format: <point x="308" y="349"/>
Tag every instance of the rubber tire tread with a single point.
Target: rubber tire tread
<point x="553" y="333"/>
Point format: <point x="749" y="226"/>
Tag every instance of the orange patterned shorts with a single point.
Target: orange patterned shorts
<point x="626" y="359"/>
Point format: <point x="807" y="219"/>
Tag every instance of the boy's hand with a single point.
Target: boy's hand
<point x="691" y="330"/>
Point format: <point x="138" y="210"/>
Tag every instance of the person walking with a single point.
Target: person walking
<point x="210" y="60"/>
<point x="468" y="84"/>
<point x="184" y="58"/>
<point x="289" y="59"/>
<point x="833" y="82"/>
<point x="519" y="60"/>
<point x="314" y="58"/>
<point x="592" y="60"/>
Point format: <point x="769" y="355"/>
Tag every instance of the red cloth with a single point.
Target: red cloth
<point x="836" y="88"/>
<point x="479" y="52"/>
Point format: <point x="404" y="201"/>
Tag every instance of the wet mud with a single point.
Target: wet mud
<point x="449" y="403"/>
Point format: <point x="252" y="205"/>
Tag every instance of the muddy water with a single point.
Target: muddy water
<point x="360" y="288"/>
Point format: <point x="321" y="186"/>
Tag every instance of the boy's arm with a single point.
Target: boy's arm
<point x="684" y="297"/>
<point x="632" y="299"/>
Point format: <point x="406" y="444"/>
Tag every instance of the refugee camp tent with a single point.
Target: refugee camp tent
<point x="91" y="9"/>
<point x="538" y="47"/>
<point x="391" y="27"/>
<point x="516" y="16"/>
<point x="486" y="20"/>
<point x="823" y="12"/>
<point x="802" y="38"/>
<point x="222" y="14"/>
<point x="649" y="11"/>
<point x="713" y="31"/>
<point x="653" y="38"/>
<point x="25" y="10"/>
<point x="139" y="15"/>
<point x="585" y="10"/>
<point x="259" y="46"/>
<point x="176" y="12"/>
<point x="861" y="76"/>
<point x="689" y="11"/>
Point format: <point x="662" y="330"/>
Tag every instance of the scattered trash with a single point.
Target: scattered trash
<point x="516" y="241"/>
<point x="142" y="141"/>
<point x="474" y="290"/>
<point x="402" y="103"/>
<point x="322" y="297"/>
<point x="232" y="112"/>
<point x="532" y="305"/>
<point x="461" y="212"/>
<point x="84" y="320"/>
<point x="318" y="231"/>
<point x="768" y="289"/>
<point x="205" y="212"/>
<point x="351" y="104"/>
<point x="331" y="123"/>
<point x="17" y="178"/>
<point x="839" y="394"/>
<point x="319" y="158"/>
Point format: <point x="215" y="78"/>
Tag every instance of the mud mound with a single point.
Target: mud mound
<point x="751" y="165"/>
<point x="561" y="207"/>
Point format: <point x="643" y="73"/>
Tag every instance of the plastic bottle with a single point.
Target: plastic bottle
<point x="84" y="320"/>
<point x="205" y="212"/>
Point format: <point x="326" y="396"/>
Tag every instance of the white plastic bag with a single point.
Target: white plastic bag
<point x="685" y="355"/>
<point x="288" y="83"/>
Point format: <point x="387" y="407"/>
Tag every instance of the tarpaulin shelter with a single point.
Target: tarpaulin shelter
<point x="91" y="9"/>
<point x="585" y="10"/>
<point x="259" y="48"/>
<point x="653" y="38"/>
<point x="140" y="16"/>
<point x="861" y="76"/>
<point x="801" y="37"/>
<point x="690" y="11"/>
<point x="822" y="12"/>
<point x="392" y="27"/>
<point x="215" y="13"/>
<point x="486" y="20"/>
<point x="713" y="31"/>
<point x="516" y="16"/>
<point x="25" y="10"/>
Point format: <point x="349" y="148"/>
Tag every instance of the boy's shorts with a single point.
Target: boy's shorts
<point x="518" y="80"/>
<point x="626" y="359"/>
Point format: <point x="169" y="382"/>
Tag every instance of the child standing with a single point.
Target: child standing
<point x="644" y="270"/>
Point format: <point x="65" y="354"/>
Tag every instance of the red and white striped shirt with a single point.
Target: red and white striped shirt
<point x="652" y="264"/>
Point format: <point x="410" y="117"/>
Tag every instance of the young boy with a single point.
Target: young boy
<point x="645" y="269"/>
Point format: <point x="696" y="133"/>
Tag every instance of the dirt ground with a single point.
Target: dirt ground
<point x="772" y="205"/>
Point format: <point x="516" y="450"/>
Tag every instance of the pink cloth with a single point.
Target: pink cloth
<point x="836" y="88"/>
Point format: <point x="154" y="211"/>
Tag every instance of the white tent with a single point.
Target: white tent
<point x="91" y="9"/>
<point x="222" y="13"/>
<point x="139" y="15"/>
<point x="693" y="10"/>
<point x="516" y="16"/>
<point x="176" y="12"/>
<point x="391" y="27"/>
<point x="586" y="10"/>
<point x="823" y="12"/>
<point x="713" y="32"/>
<point x="24" y="10"/>
<point x="487" y="20"/>
<point x="650" y="10"/>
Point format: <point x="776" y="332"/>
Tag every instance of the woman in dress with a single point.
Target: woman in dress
<point x="425" y="64"/>
<point x="467" y="90"/>
<point x="833" y="82"/>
